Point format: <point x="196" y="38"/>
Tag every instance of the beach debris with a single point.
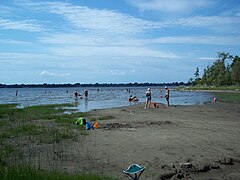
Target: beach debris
<point x="168" y="172"/>
<point x="159" y="123"/>
<point x="186" y="165"/>
<point x="81" y="121"/>
<point x="214" y="99"/>
<point x="133" y="125"/>
<point x="186" y="169"/>
<point x="214" y="166"/>
<point x="226" y="161"/>
<point x="116" y="125"/>
<point x="87" y="125"/>
<point x="155" y="105"/>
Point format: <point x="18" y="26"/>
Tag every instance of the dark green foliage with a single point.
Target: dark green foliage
<point x="220" y="73"/>
<point x="235" y="75"/>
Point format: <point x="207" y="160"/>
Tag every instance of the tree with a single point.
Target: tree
<point x="220" y="73"/>
<point x="196" y="74"/>
<point x="235" y="66"/>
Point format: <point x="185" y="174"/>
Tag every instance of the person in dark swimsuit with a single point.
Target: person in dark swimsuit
<point x="167" y="95"/>
<point x="148" y="98"/>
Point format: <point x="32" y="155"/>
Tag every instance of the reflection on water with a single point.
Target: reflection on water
<point x="98" y="98"/>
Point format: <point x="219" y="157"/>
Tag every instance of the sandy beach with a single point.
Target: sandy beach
<point x="189" y="142"/>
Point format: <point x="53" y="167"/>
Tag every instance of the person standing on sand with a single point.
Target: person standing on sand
<point x="148" y="98"/>
<point x="167" y="95"/>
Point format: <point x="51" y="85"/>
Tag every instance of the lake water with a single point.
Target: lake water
<point x="98" y="98"/>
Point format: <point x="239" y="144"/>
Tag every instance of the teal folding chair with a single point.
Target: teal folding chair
<point x="135" y="170"/>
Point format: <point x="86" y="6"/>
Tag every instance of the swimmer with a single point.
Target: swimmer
<point x="134" y="98"/>
<point x="86" y="93"/>
<point x="76" y="93"/>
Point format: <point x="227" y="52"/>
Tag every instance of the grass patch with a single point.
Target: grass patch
<point x="5" y="151"/>
<point x="36" y="124"/>
<point x="25" y="173"/>
<point x="15" y="122"/>
<point x="8" y="106"/>
<point x="210" y="88"/>
<point x="24" y="129"/>
<point x="228" y="97"/>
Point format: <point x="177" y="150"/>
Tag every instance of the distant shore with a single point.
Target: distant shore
<point x="46" y="85"/>
<point x="210" y="88"/>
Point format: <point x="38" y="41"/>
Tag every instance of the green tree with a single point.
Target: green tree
<point x="220" y="73"/>
<point x="196" y="74"/>
<point x="235" y="66"/>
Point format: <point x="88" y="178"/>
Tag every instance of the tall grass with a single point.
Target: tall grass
<point x="30" y="126"/>
<point x="26" y="173"/>
<point x="228" y="97"/>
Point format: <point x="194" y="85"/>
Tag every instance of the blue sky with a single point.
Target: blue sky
<point x="113" y="41"/>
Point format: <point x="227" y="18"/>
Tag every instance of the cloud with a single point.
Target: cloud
<point x="208" y="40"/>
<point x="118" y="72"/>
<point x="5" y="10"/>
<point x="116" y="51"/>
<point x="15" y="42"/>
<point x="24" y="25"/>
<point x="105" y="22"/>
<point x="66" y="74"/>
<point x="169" y="5"/>
<point x="88" y="19"/>
<point x="207" y="21"/>
<point x="46" y="73"/>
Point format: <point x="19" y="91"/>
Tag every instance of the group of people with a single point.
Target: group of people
<point x="77" y="94"/>
<point x="149" y="98"/>
<point x="148" y="95"/>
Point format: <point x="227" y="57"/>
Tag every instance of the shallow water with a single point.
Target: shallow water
<point x="98" y="98"/>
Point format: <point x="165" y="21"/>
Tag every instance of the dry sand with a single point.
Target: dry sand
<point x="207" y="137"/>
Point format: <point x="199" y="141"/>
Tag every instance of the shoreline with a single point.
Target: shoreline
<point x="188" y="141"/>
<point x="163" y="137"/>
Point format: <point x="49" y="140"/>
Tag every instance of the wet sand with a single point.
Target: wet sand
<point x="191" y="142"/>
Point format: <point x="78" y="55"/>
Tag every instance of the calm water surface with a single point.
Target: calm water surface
<point x="98" y="98"/>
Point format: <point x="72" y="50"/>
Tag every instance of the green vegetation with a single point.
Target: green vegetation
<point x="228" y="97"/>
<point x="25" y="173"/>
<point x="210" y="88"/>
<point x="29" y="121"/>
<point x="225" y="71"/>
<point x="21" y="128"/>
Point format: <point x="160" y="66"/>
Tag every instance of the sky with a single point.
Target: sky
<point x="113" y="41"/>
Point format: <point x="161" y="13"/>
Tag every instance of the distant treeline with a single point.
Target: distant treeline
<point x="225" y="71"/>
<point x="45" y="85"/>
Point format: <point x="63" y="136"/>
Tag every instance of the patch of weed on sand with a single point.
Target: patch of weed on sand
<point x="228" y="97"/>
<point x="106" y="117"/>
<point x="26" y="173"/>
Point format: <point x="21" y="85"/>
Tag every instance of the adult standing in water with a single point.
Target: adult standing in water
<point x="167" y="95"/>
<point x="86" y="93"/>
<point x="148" y="98"/>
